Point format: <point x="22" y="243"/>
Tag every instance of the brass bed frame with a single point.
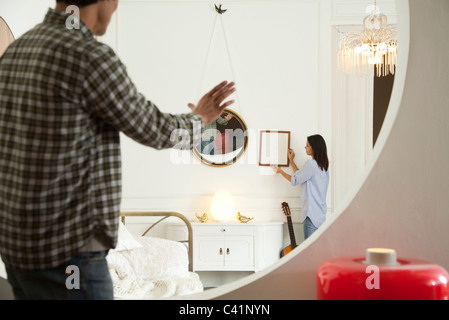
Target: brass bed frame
<point x="166" y="215"/>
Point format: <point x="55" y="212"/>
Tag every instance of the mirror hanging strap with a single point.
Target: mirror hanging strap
<point x="219" y="18"/>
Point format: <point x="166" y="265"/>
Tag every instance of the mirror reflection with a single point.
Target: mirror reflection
<point x="276" y="75"/>
<point x="223" y="141"/>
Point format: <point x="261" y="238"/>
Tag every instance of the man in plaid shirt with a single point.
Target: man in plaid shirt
<point x="64" y="98"/>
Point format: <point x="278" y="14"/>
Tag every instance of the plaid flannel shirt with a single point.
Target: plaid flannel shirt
<point x="64" y="99"/>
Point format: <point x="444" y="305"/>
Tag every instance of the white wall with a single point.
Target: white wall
<point x="22" y="15"/>
<point x="284" y="55"/>
<point x="281" y="52"/>
<point x="276" y="64"/>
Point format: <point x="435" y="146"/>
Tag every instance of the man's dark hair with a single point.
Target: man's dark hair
<point x="79" y="3"/>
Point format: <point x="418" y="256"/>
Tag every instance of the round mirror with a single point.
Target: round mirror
<point x="6" y="36"/>
<point x="223" y="141"/>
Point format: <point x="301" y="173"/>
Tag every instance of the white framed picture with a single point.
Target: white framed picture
<point x="274" y="146"/>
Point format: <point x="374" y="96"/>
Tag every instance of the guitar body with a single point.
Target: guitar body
<point x="286" y="250"/>
<point x="292" y="245"/>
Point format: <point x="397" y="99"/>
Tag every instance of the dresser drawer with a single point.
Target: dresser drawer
<point x="223" y="229"/>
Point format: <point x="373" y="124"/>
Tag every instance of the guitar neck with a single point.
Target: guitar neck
<point x="291" y="232"/>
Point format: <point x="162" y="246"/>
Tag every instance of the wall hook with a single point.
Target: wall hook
<point x="219" y="9"/>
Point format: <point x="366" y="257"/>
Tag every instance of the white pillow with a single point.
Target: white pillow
<point x="125" y="241"/>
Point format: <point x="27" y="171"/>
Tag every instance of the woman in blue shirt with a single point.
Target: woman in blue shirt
<point x="314" y="180"/>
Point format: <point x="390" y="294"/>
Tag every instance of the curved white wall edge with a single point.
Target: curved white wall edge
<point x="402" y="200"/>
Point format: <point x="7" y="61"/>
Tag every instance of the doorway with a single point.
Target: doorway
<point x="383" y="86"/>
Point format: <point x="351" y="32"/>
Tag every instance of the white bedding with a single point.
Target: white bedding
<point x="154" y="268"/>
<point x="2" y="269"/>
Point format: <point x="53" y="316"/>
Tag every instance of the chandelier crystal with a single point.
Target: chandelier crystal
<point x="373" y="48"/>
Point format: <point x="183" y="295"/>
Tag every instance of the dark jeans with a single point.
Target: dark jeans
<point x="87" y="278"/>
<point x="309" y="228"/>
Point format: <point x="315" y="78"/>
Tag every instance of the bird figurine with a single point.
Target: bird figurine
<point x="243" y="219"/>
<point x="219" y="9"/>
<point x="203" y="218"/>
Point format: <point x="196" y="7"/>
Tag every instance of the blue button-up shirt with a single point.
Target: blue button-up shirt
<point x="314" y="183"/>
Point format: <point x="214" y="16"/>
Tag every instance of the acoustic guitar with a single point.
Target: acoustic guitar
<point x="292" y="245"/>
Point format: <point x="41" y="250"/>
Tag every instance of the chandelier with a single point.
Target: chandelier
<point x="375" y="48"/>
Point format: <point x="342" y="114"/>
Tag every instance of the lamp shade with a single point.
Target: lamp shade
<point x="222" y="206"/>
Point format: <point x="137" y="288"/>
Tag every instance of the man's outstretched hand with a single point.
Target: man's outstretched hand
<point x="211" y="105"/>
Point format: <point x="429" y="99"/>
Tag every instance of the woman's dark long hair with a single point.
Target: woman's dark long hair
<point x="319" y="151"/>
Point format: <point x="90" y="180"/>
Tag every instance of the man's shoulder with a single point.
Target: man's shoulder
<point x="97" y="53"/>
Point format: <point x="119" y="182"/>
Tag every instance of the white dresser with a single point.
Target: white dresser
<point x="250" y="246"/>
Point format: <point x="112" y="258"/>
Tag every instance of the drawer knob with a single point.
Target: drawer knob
<point x="228" y="251"/>
<point x="221" y="251"/>
<point x="223" y="230"/>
